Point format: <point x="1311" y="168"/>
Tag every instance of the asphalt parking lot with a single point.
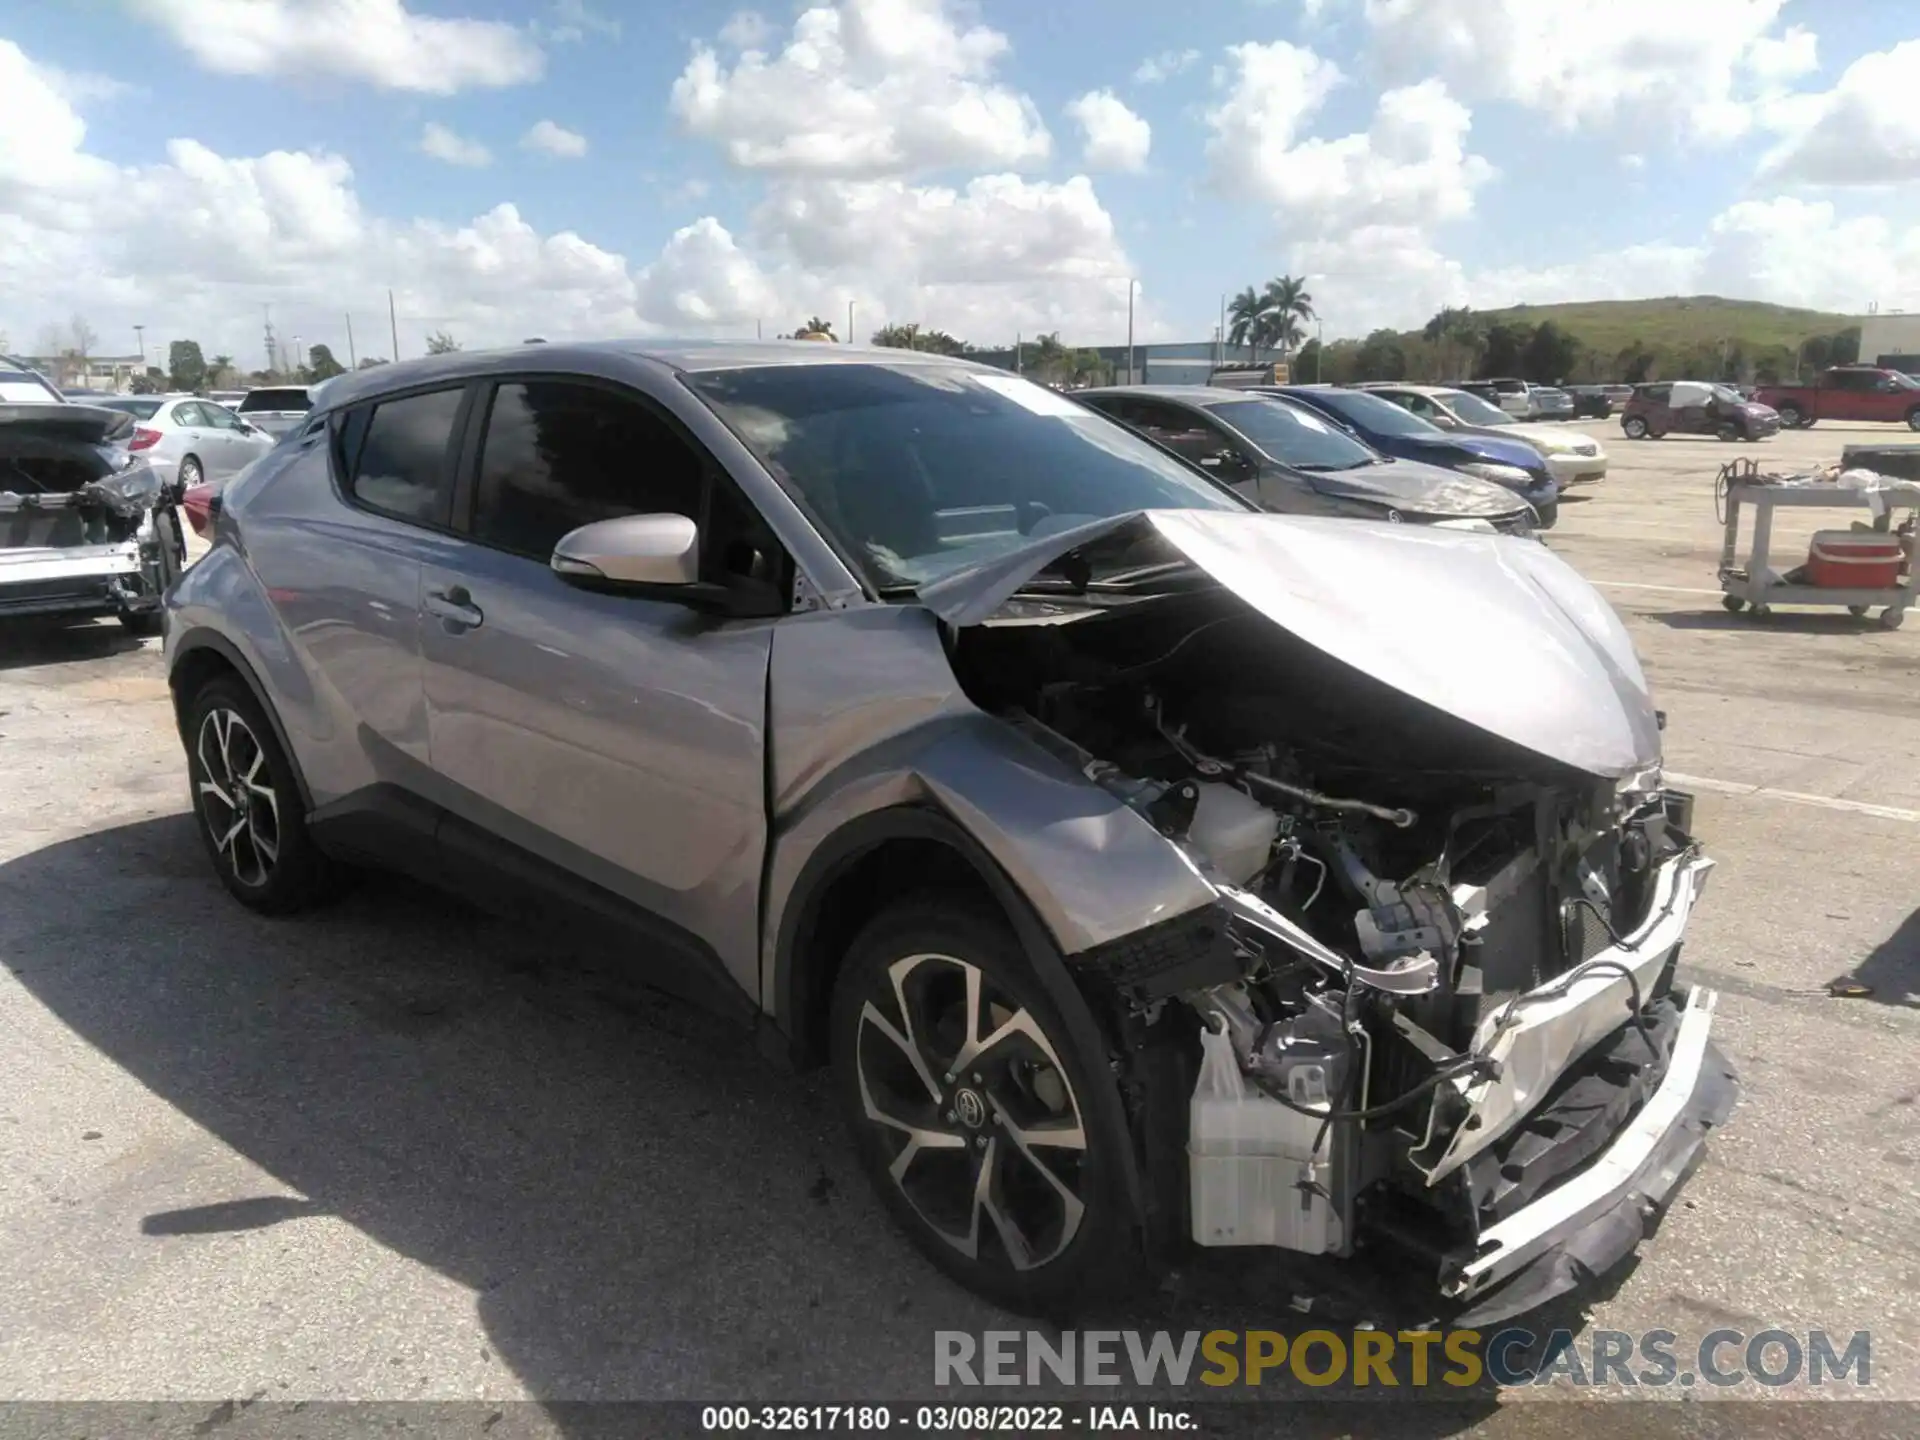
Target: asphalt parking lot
<point x="402" y="1151"/>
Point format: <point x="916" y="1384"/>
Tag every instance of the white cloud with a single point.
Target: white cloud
<point x="1165" y="65"/>
<point x="1002" y="254"/>
<point x="747" y="30"/>
<point x="1861" y="131"/>
<point x="574" y="20"/>
<point x="1409" y="168"/>
<point x="194" y="244"/>
<point x="441" y="143"/>
<point x="380" y="42"/>
<point x="864" y="88"/>
<point x="1116" y="138"/>
<point x="1786" y="250"/>
<point x="1701" y="68"/>
<point x="554" y="139"/>
<point x="702" y="279"/>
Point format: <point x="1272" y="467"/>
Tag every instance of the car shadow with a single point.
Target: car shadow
<point x="1890" y="975"/>
<point x="53" y="641"/>
<point x="1797" y="622"/>
<point x="642" y="1206"/>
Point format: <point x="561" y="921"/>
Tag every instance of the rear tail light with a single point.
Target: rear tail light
<point x="198" y="503"/>
<point x="143" y="438"/>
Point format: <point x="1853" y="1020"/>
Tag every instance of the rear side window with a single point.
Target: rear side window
<point x="559" y="455"/>
<point x="275" y="400"/>
<point x="402" y="462"/>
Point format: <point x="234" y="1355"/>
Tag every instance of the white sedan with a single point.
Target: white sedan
<point x="1573" y="456"/>
<point x="189" y="440"/>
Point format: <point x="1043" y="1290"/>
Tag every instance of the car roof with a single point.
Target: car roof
<point x="686" y="356"/>
<point x="1201" y="395"/>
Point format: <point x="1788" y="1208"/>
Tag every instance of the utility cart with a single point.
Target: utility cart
<point x="1757" y="585"/>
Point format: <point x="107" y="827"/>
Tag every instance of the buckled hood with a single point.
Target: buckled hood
<point x="1418" y="489"/>
<point x="1498" y="632"/>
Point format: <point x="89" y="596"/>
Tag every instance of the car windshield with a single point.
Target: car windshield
<point x="924" y="470"/>
<point x="1371" y="413"/>
<point x="1472" y="409"/>
<point x="139" y="409"/>
<point x="1293" y="435"/>
<point x="276" y="400"/>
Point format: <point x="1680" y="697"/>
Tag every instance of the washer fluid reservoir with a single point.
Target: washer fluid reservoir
<point x="1234" y="830"/>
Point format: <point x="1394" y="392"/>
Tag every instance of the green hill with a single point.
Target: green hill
<point x="1676" y="321"/>
<point x="1679" y="336"/>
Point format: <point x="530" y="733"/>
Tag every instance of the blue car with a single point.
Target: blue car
<point x="1393" y="431"/>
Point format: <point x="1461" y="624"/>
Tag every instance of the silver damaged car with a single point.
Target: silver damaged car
<point x="1151" y="871"/>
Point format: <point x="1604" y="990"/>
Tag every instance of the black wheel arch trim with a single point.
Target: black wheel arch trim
<point x="791" y="997"/>
<point x="202" y="638"/>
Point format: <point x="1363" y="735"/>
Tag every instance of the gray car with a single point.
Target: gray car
<point x="1151" y="871"/>
<point x="1285" y="457"/>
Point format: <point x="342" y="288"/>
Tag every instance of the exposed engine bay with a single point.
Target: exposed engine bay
<point x="1437" y="980"/>
<point x="85" y="526"/>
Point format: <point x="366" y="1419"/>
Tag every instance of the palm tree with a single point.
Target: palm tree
<point x="1244" y="311"/>
<point x="1271" y="318"/>
<point x="1288" y="306"/>
<point x="819" y="326"/>
<point x="218" y="366"/>
<point x="1050" y="357"/>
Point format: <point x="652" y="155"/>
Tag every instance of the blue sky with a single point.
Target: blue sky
<point x="1402" y="153"/>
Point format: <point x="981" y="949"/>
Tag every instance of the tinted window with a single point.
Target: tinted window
<point x="403" y="459"/>
<point x="922" y="469"/>
<point x="1294" y="435"/>
<point x="291" y="399"/>
<point x="1180" y="430"/>
<point x="1474" y="410"/>
<point x="139" y="409"/>
<point x="559" y="455"/>
<point x="1369" y="413"/>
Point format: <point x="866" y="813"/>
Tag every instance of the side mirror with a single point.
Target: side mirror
<point x="1445" y="422"/>
<point x="631" y="550"/>
<point x="1230" y="461"/>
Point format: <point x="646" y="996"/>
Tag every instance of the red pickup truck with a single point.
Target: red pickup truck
<point x="1846" y="392"/>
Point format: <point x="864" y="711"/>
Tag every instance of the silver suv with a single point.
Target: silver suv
<point x="1150" y="871"/>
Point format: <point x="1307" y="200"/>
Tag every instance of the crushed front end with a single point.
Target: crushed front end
<point x="1432" y="1004"/>
<point x="85" y="527"/>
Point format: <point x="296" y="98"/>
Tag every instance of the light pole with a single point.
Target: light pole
<point x="1132" y="285"/>
<point x="294" y="368"/>
<point x="1319" y="347"/>
<point x="140" y="334"/>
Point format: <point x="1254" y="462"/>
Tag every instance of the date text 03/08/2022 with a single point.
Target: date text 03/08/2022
<point x="944" y="1419"/>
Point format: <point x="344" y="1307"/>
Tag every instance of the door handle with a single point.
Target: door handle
<point x="455" y="608"/>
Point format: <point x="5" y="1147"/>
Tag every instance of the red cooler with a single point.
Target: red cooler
<point x="1854" y="560"/>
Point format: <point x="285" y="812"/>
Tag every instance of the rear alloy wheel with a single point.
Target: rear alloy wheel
<point x="1913" y="418"/>
<point x="996" y="1144"/>
<point x="1728" y="431"/>
<point x="1792" y="417"/>
<point x="191" y="474"/>
<point x="1635" y="427"/>
<point x="249" y="809"/>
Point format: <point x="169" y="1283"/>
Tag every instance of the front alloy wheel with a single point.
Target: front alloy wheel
<point x="986" y="1132"/>
<point x="246" y="798"/>
<point x="237" y="800"/>
<point x="974" y="1112"/>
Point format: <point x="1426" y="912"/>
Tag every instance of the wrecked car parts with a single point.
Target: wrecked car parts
<point x="85" y="527"/>
<point x="1431" y="1006"/>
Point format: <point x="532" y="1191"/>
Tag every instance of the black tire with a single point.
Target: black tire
<point x="1733" y="603"/>
<point x="1728" y="431"/>
<point x="1634" y="427"/>
<point x="140" y="622"/>
<point x="1913" y="418"/>
<point x="1074" y="1234"/>
<point x="1792" y="417"/>
<point x="247" y="804"/>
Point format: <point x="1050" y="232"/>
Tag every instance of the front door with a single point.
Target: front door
<point x="618" y="738"/>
